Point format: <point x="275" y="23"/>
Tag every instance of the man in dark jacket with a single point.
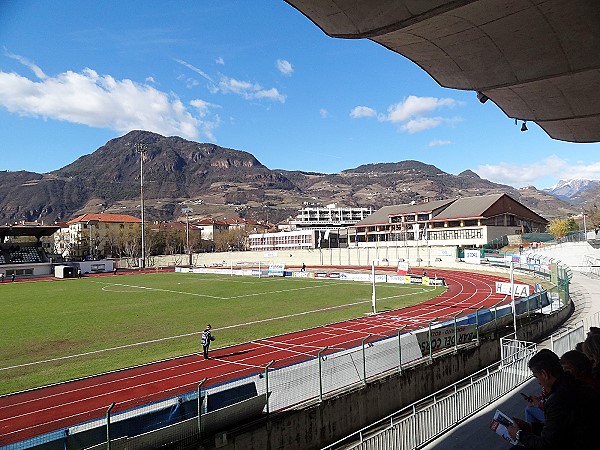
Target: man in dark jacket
<point x="571" y="409"/>
<point x="207" y="338"/>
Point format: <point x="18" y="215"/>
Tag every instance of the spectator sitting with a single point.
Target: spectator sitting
<point x="579" y="365"/>
<point x="593" y="330"/>
<point x="591" y="347"/>
<point x="571" y="412"/>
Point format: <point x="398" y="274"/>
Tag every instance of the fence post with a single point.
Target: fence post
<point x="430" y="347"/>
<point x="456" y="330"/>
<point x="364" y="358"/>
<point x="496" y="315"/>
<point x="200" y="401"/>
<point x="477" y="322"/>
<point x="108" y="425"/>
<point x="267" y="384"/>
<point x="400" y="349"/>
<point x="320" y="377"/>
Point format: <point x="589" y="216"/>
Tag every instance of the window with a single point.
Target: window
<point x="473" y="233"/>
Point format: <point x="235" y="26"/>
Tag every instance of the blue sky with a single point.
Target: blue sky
<point x="249" y="75"/>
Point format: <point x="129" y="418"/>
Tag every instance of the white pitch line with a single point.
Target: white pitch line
<point x="154" y="341"/>
<point x="289" y="348"/>
<point x="160" y="290"/>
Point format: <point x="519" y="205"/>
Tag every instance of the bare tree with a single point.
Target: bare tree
<point x="232" y="239"/>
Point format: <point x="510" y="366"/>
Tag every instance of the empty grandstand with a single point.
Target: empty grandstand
<point x="21" y="250"/>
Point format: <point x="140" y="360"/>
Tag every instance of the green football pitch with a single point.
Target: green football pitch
<point x="54" y="331"/>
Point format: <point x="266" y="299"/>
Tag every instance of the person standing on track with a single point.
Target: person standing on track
<point x="207" y="337"/>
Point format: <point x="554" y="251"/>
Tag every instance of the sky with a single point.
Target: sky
<point x="256" y="76"/>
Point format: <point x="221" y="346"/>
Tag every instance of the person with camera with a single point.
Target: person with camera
<point x="570" y="410"/>
<point x="207" y="338"/>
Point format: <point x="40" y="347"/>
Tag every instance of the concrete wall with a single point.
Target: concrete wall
<point x="573" y="254"/>
<point x="422" y="256"/>
<point x="340" y="415"/>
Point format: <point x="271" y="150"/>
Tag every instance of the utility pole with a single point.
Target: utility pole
<point x="142" y="149"/>
<point x="187" y="212"/>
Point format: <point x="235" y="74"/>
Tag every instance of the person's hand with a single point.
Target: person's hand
<point x="521" y="424"/>
<point x="512" y="430"/>
<point x="534" y="400"/>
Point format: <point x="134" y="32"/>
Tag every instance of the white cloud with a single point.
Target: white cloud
<point x="227" y="85"/>
<point x="362" y="111"/>
<point x="202" y="106"/>
<point x="414" y="106"/>
<point x="220" y="61"/>
<point x="34" y="68"/>
<point x="208" y="127"/>
<point x="285" y="67"/>
<point x="421" y="124"/>
<point x="323" y="113"/>
<point x="247" y="90"/>
<point x="523" y="175"/>
<point x="150" y="80"/>
<point x="412" y="113"/>
<point x="438" y="142"/>
<point x="195" y="69"/>
<point x="99" y="101"/>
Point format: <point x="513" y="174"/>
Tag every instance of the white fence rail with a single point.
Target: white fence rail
<point x="423" y="421"/>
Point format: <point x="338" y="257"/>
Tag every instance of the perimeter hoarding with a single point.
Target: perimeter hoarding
<point x="444" y="337"/>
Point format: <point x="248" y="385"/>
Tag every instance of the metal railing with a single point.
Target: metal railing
<point x="421" y="422"/>
<point x="567" y="338"/>
<point x="334" y="371"/>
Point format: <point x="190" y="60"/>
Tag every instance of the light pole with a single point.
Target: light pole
<point x="141" y="149"/>
<point x="584" y="228"/>
<point x="187" y="212"/>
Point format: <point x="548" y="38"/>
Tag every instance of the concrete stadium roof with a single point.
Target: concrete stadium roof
<point x="37" y="231"/>
<point x="537" y="60"/>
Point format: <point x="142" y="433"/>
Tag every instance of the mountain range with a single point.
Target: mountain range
<point x="220" y="182"/>
<point x="576" y="190"/>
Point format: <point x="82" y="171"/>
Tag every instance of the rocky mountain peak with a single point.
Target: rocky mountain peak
<point x="218" y="181"/>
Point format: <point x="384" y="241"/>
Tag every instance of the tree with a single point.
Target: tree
<point x="130" y="244"/>
<point x="232" y="239"/>
<point x="174" y="241"/>
<point x="593" y="217"/>
<point x="560" y="227"/>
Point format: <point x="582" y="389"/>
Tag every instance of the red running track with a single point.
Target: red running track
<point x="32" y="413"/>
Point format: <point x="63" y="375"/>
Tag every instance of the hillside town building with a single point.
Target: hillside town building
<point x="328" y="217"/>
<point x="96" y="235"/>
<point x="313" y="227"/>
<point x="468" y="222"/>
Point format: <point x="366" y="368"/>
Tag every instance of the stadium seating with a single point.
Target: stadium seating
<point x="20" y="254"/>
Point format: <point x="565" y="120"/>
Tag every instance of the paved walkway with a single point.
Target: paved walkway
<point x="474" y="433"/>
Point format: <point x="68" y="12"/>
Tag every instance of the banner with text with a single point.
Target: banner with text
<point x="276" y="270"/>
<point x="521" y="290"/>
<point x="444" y="337"/>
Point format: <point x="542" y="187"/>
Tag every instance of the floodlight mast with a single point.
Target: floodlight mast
<point x="187" y="212"/>
<point x="141" y="149"/>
